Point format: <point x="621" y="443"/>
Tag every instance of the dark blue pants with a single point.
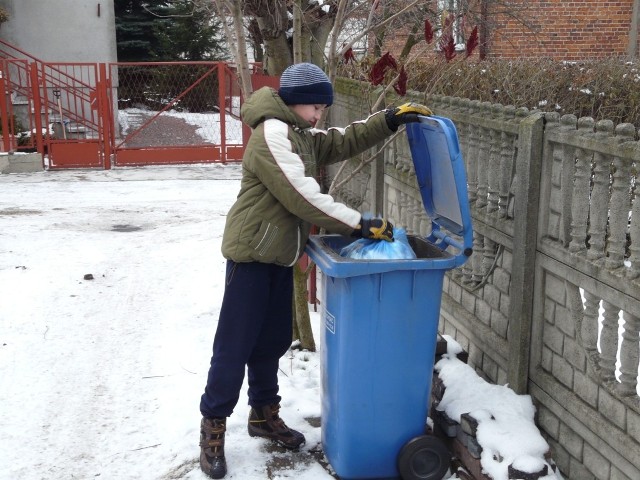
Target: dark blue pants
<point x="254" y="329"/>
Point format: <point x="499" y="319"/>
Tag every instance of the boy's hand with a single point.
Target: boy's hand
<point x="405" y="113"/>
<point x="376" y="229"/>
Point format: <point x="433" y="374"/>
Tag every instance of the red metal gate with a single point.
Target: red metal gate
<point x="123" y="114"/>
<point x="75" y="102"/>
<point x="184" y="112"/>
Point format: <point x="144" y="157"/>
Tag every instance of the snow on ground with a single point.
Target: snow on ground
<point x="101" y="378"/>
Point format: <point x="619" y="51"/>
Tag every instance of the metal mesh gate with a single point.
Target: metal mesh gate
<point x="175" y="113"/>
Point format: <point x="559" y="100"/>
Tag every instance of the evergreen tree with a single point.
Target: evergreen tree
<point x="168" y="31"/>
<point x="137" y="22"/>
<point x="192" y="32"/>
<point x="171" y="30"/>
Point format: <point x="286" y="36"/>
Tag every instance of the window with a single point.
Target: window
<point x="451" y="22"/>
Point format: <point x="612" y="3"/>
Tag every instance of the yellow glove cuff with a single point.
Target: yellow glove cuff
<point x="412" y="107"/>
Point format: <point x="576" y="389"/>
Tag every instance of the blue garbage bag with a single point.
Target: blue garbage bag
<point x="368" y="249"/>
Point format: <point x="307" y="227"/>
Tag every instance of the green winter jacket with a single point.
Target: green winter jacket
<point x="279" y="197"/>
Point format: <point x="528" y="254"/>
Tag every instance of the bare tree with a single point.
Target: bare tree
<point x="230" y="12"/>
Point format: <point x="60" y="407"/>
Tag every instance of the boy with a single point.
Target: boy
<point x="265" y="234"/>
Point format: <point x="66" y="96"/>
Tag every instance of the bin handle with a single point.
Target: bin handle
<point x="451" y="241"/>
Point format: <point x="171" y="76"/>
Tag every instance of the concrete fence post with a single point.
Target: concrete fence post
<point x="528" y="168"/>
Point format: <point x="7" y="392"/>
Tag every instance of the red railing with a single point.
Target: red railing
<point x="69" y="90"/>
<point x="64" y="88"/>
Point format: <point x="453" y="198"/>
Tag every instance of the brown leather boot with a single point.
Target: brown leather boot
<point x="265" y="422"/>
<point x="212" y="461"/>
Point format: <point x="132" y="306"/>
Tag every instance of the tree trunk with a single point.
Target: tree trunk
<point x="277" y="54"/>
<point x="298" y="55"/>
<point x="296" y="332"/>
<point x="318" y="37"/>
<point x="256" y="40"/>
<point x="273" y="25"/>
<point x="242" y="59"/>
<point x="302" y="319"/>
<point x="239" y="46"/>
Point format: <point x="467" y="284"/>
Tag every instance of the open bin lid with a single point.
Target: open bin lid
<point x="441" y="177"/>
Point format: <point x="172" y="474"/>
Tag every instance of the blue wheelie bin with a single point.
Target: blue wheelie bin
<point x="380" y="321"/>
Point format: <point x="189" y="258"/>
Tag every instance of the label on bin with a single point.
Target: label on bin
<point x="329" y="321"/>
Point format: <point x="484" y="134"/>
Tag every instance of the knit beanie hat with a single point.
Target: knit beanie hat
<point x="305" y="84"/>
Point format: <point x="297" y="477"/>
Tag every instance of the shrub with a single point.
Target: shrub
<point x="154" y="86"/>
<point x="602" y="89"/>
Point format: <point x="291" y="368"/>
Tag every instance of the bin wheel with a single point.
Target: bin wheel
<point x="423" y="458"/>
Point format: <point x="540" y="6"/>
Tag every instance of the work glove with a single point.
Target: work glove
<point x="405" y="113"/>
<point x="375" y="229"/>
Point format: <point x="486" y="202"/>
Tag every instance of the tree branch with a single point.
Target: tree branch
<point x="378" y="25"/>
<point x="146" y="9"/>
<point x="334" y="186"/>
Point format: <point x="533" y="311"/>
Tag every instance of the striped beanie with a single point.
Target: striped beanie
<point x="305" y="84"/>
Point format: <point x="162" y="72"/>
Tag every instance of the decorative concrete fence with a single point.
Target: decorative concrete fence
<point x="550" y="300"/>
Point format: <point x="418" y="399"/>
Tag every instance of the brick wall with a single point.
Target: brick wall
<point x="565" y="30"/>
<point x="559" y="29"/>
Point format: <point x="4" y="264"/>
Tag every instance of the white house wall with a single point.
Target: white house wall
<point x="62" y="30"/>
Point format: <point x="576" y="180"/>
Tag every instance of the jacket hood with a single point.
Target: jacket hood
<point x="266" y="103"/>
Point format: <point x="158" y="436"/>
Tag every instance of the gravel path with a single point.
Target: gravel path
<point x="163" y="130"/>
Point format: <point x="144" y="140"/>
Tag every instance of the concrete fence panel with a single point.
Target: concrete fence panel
<point x="550" y="300"/>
